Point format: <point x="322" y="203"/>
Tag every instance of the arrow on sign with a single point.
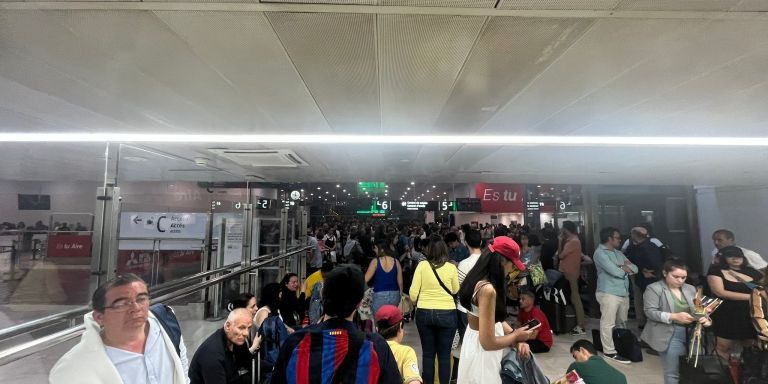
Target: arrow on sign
<point x="136" y="219"/>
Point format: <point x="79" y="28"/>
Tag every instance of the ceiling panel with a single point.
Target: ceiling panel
<point x="499" y="67"/>
<point x="752" y="5"/>
<point x="559" y="4"/>
<point x="420" y="57"/>
<point x="41" y="54"/>
<point x="677" y="5"/>
<point x="337" y="2"/>
<point x="140" y="39"/>
<point x="606" y="52"/>
<point x="335" y="55"/>
<point x="441" y="3"/>
<point x="684" y="56"/>
<point x="244" y="49"/>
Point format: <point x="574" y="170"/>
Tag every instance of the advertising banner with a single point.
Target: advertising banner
<point x="500" y="198"/>
<point x="69" y="245"/>
<point x="158" y="225"/>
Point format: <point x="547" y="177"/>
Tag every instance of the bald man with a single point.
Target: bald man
<point x="225" y="356"/>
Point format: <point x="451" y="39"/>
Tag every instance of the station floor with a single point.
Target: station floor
<point x="34" y="369"/>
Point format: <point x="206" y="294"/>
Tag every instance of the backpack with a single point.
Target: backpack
<point x="170" y="323"/>
<point x="273" y="333"/>
<point x="333" y="345"/>
<point x="315" y="310"/>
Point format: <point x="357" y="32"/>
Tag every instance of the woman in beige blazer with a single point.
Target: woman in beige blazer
<point x="669" y="309"/>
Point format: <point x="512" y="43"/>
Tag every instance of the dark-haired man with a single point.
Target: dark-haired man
<point x="456" y="251"/>
<point x="592" y="368"/>
<point x="724" y="238"/>
<point x="613" y="270"/>
<point x="474" y="241"/>
<point x="123" y="342"/>
<point x="354" y="352"/>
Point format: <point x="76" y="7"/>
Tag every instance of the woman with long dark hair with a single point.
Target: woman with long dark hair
<point x="435" y="281"/>
<point x="387" y="275"/>
<point x="292" y="302"/>
<point x="488" y="335"/>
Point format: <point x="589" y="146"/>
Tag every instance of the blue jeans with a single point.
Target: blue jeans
<point x="436" y="330"/>
<point x="670" y="358"/>
<point x="383" y="298"/>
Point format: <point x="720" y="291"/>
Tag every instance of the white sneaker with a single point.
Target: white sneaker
<point x="578" y="331"/>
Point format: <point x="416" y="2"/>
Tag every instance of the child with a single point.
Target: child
<point x="542" y="342"/>
<point x="389" y="321"/>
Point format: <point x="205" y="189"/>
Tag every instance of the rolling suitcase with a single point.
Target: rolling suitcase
<point x="556" y="316"/>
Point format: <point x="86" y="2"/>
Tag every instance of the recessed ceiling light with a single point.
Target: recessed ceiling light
<point x="434" y="186"/>
<point x="413" y="183"/>
<point x="337" y="185"/>
<point x="318" y="188"/>
<point x="344" y="190"/>
<point x="134" y="158"/>
<point x="408" y="189"/>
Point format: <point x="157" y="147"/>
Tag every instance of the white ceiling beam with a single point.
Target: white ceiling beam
<point x="381" y="10"/>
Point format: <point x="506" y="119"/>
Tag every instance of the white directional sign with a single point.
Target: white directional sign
<point x="163" y="225"/>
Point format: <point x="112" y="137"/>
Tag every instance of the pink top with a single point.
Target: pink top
<point x="570" y="256"/>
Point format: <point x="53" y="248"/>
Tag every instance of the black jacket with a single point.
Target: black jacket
<point x="214" y="363"/>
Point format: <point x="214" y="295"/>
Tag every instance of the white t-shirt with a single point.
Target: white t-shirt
<point x="465" y="266"/>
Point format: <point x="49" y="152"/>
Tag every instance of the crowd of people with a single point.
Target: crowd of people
<point x="345" y="322"/>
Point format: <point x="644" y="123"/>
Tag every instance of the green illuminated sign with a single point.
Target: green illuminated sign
<point x="377" y="208"/>
<point x="372" y="187"/>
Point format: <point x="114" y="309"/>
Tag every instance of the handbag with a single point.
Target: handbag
<point x="709" y="370"/>
<point x="754" y="366"/>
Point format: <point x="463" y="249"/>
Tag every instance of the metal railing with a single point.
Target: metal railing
<point x="17" y="352"/>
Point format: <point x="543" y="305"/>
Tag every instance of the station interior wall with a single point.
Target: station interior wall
<point x="741" y="209"/>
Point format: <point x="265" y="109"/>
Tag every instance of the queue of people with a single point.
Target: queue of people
<point x="461" y="305"/>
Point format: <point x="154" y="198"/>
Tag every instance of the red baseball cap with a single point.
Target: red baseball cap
<point x="508" y="248"/>
<point x="390" y="314"/>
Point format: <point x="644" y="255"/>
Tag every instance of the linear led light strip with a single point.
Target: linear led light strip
<point x="386" y="139"/>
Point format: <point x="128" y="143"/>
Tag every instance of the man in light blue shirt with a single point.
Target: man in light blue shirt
<point x="613" y="270"/>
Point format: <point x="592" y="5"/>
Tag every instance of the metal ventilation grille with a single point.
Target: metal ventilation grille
<point x="677" y="5"/>
<point x="440" y="3"/>
<point x="337" y="2"/>
<point x="598" y="5"/>
<point x="262" y="157"/>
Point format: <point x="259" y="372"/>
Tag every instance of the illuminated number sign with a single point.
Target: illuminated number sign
<point x="378" y="208"/>
<point x="447" y="206"/>
<point x="263" y="204"/>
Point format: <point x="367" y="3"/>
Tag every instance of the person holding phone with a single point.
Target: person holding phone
<point x="529" y="316"/>
<point x="488" y="335"/>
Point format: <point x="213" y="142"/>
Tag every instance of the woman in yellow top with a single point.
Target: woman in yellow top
<point x="435" y="282"/>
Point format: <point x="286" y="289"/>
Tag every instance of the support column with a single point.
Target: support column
<point x="106" y="221"/>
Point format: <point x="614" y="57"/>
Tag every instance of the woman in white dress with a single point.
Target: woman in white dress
<point x="488" y="335"/>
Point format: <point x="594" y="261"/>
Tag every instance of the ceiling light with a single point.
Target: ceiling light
<point x="337" y="186"/>
<point x="445" y="193"/>
<point x="326" y="192"/>
<point x="302" y="189"/>
<point x="409" y="188"/>
<point x="427" y="190"/>
<point x="413" y="183"/>
<point x="318" y="188"/>
<point x="434" y="186"/>
<point x="344" y="190"/>
<point x="612" y="141"/>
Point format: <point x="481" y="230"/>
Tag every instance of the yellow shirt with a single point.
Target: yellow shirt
<point x="426" y="291"/>
<point x="315" y="277"/>
<point x="406" y="361"/>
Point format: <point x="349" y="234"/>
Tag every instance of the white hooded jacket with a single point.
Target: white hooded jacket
<point x="88" y="363"/>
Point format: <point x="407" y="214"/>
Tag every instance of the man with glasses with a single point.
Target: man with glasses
<point x="122" y="342"/>
<point x="613" y="270"/>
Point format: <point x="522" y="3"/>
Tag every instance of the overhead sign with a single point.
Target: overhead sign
<point x="501" y="198"/>
<point x="447" y="206"/>
<point x="158" y="225"/>
<point x="263" y="204"/>
<point x="419" y="205"/>
<point x="69" y="245"/>
<point x="377" y="208"/>
<point x="468" y="204"/>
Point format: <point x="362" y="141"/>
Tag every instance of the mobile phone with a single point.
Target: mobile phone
<point x="531" y="324"/>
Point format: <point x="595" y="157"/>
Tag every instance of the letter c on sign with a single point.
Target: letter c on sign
<point x="158" y="224"/>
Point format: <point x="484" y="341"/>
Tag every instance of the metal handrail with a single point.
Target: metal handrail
<point x="20" y="351"/>
<point x="46" y="321"/>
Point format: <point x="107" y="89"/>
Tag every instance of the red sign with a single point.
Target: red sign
<point x="69" y="245"/>
<point x="500" y="198"/>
